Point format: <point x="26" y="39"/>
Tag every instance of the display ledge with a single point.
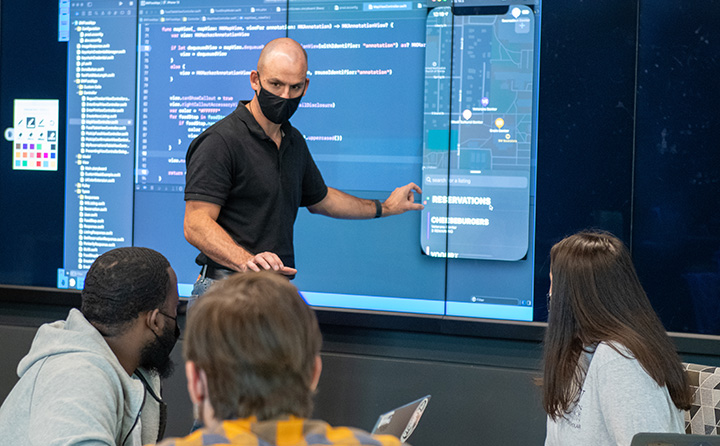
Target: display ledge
<point x="25" y="305"/>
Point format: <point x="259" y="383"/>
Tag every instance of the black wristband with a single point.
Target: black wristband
<point x="378" y="209"/>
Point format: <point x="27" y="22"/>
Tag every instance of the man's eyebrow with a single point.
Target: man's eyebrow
<point x="274" y="80"/>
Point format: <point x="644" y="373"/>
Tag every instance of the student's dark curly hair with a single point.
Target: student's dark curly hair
<point x="123" y="283"/>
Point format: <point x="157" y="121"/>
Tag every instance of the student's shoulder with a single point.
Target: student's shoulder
<point x="350" y="436"/>
<point x="614" y="356"/>
<point x="88" y="376"/>
<point x="612" y="350"/>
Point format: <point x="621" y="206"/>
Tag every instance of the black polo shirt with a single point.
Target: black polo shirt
<point x="236" y="165"/>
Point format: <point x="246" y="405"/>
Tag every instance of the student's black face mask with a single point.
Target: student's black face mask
<point x="156" y="355"/>
<point x="275" y="108"/>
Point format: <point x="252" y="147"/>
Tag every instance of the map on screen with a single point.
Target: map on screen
<point x="477" y="147"/>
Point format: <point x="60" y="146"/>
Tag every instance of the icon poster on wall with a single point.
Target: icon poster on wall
<point x="35" y="134"/>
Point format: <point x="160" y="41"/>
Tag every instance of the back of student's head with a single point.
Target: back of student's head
<point x="597" y="297"/>
<point x="122" y="283"/>
<point x="595" y="288"/>
<point x="256" y="340"/>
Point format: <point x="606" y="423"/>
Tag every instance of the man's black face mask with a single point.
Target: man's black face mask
<point x="275" y="108"/>
<point x="156" y="355"/>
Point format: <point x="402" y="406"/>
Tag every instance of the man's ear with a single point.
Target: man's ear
<point x="307" y="82"/>
<point x="151" y="320"/>
<point x="317" y="370"/>
<point x="255" y="80"/>
<point x="196" y="386"/>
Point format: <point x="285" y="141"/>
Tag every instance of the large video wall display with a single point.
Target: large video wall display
<point x="677" y="207"/>
<point x="495" y="109"/>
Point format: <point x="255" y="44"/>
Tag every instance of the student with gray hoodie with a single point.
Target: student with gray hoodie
<point x="87" y="378"/>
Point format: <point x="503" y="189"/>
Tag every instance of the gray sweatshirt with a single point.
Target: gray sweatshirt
<point x="72" y="391"/>
<point x="618" y="399"/>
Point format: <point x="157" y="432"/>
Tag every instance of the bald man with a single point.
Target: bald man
<point x="248" y="174"/>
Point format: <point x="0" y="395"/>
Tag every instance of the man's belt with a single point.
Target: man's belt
<point x="214" y="273"/>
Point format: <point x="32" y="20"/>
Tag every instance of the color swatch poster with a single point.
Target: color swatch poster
<point x="35" y="135"/>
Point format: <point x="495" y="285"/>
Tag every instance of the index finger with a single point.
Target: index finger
<point x="414" y="187"/>
<point x="286" y="270"/>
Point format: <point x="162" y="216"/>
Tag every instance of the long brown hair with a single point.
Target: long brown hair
<point x="597" y="297"/>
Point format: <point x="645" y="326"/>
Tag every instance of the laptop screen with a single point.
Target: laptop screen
<point x="670" y="439"/>
<point x="401" y="422"/>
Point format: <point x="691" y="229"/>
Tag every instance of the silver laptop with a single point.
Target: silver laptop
<point x="666" y="439"/>
<point x="402" y="421"/>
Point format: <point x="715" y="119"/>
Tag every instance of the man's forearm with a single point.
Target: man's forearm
<point x="209" y="237"/>
<point x="338" y="204"/>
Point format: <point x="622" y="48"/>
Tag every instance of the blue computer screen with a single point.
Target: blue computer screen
<point x="398" y="92"/>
